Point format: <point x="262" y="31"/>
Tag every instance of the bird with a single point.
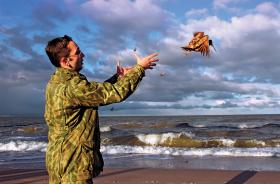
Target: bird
<point x="162" y="74"/>
<point x="199" y="43"/>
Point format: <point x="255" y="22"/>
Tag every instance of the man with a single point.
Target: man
<point x="73" y="152"/>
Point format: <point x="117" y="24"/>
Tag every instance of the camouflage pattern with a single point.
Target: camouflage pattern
<point x="73" y="152"/>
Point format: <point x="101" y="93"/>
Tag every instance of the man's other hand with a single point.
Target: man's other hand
<point x="147" y="62"/>
<point x="122" y="71"/>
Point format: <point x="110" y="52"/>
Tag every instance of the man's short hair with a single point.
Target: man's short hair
<point x="57" y="48"/>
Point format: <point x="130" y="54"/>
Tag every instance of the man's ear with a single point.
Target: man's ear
<point x="63" y="62"/>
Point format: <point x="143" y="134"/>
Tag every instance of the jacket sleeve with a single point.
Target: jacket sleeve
<point x="113" y="79"/>
<point x="84" y="93"/>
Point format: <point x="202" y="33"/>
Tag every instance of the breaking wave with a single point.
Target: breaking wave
<point x="233" y="152"/>
<point x="105" y="129"/>
<point x="23" y="146"/>
<point x="187" y="140"/>
<point x="237" y="126"/>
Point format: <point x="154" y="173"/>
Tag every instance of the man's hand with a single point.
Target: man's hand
<point x="147" y="62"/>
<point x="122" y="71"/>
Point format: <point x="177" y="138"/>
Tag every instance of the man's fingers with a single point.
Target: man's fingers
<point x="155" y="60"/>
<point x="151" y="65"/>
<point x="152" y="55"/>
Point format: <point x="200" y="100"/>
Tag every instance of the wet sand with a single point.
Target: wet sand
<point x="150" y="176"/>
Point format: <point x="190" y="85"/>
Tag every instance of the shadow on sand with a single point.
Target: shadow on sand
<point x="242" y="177"/>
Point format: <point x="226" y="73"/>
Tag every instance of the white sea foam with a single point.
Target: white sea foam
<point x="232" y="152"/>
<point x="156" y="139"/>
<point x="161" y="139"/>
<point x="105" y="129"/>
<point x="246" y="126"/>
<point x="23" y="146"/>
<point x="21" y="137"/>
<point x="231" y="142"/>
<point x="154" y="150"/>
<point x="262" y="143"/>
<point x="227" y="142"/>
<point x="199" y="126"/>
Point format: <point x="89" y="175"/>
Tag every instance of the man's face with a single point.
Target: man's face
<point x="75" y="57"/>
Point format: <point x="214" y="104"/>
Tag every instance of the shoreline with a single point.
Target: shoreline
<point x="150" y="176"/>
<point x="131" y="161"/>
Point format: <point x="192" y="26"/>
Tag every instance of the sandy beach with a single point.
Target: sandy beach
<point x="150" y="176"/>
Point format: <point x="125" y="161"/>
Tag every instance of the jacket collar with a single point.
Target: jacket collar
<point x="63" y="74"/>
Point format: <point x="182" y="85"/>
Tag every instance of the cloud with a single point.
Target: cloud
<point x="223" y="4"/>
<point x="244" y="64"/>
<point x="47" y="14"/>
<point x="238" y="70"/>
<point x="132" y="14"/>
<point x="197" y="12"/>
<point x="231" y="6"/>
<point x="121" y="23"/>
<point x="242" y="76"/>
<point x="268" y="8"/>
<point x="24" y="72"/>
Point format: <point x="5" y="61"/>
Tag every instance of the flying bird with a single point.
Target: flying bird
<point x="199" y="43"/>
<point x="162" y="74"/>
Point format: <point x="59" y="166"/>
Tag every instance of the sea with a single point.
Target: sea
<point x="220" y="142"/>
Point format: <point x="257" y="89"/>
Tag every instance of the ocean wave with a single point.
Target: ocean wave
<point x="231" y="152"/>
<point x="167" y="141"/>
<point x="159" y="139"/>
<point x="105" y="129"/>
<point x="22" y="125"/>
<point x="23" y="146"/>
<point x="26" y="138"/>
<point x="237" y="126"/>
<point x="153" y="150"/>
<point x="187" y="140"/>
<point x="28" y="129"/>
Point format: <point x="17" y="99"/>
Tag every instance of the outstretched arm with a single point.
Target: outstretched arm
<point x="96" y="94"/>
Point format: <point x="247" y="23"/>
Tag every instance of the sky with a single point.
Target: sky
<point x="240" y="77"/>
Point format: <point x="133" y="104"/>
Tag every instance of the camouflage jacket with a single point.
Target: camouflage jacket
<point x="71" y="114"/>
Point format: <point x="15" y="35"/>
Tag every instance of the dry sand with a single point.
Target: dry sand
<point x="151" y="176"/>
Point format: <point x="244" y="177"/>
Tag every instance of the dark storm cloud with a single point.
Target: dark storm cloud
<point x="257" y="55"/>
<point x="24" y="72"/>
<point x="174" y="87"/>
<point x="21" y="51"/>
<point x="50" y="14"/>
<point x="143" y="105"/>
<point x="122" y="21"/>
<point x="25" y="68"/>
<point x="22" y="90"/>
<point x="215" y="95"/>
